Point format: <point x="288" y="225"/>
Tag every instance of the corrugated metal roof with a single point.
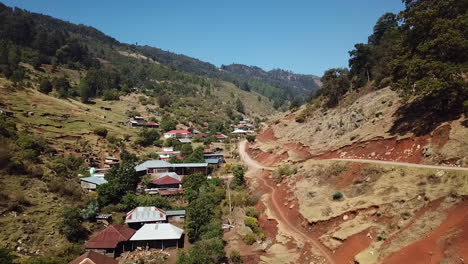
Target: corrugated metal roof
<point x="110" y="237"/>
<point x="189" y="165"/>
<point x="153" y="164"/>
<point x="145" y="214"/>
<point x="94" y="180"/>
<point x="157" y="232"/>
<point x="94" y="258"/>
<point x="212" y="161"/>
<point x="175" y="212"/>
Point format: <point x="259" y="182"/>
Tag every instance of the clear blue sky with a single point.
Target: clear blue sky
<point x="304" y="36"/>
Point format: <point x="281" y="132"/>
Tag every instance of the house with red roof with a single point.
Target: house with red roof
<point x="91" y="257"/>
<point x="111" y="241"/>
<point x="168" y="180"/>
<point x="178" y="134"/>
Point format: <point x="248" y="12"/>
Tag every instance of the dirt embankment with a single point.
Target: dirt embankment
<point x="446" y="244"/>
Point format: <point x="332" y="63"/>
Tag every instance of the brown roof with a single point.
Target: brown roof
<point x="93" y="258"/>
<point x="110" y="237"/>
<point x="166" y="180"/>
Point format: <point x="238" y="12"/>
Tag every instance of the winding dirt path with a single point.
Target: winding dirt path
<point x="407" y="164"/>
<point x="255" y="168"/>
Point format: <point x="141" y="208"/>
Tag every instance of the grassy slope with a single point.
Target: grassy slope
<point x="66" y="123"/>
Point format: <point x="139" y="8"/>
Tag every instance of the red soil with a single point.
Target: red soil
<point x="298" y="150"/>
<point x="404" y="150"/>
<point x="349" y="175"/>
<point x="450" y="237"/>
<point x="268" y="159"/>
<point x="267" y="135"/>
<point x="429" y="207"/>
<point x="392" y="149"/>
<point x="352" y="246"/>
<point x="440" y="136"/>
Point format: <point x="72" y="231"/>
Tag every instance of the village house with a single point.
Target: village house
<point x="111" y="162"/>
<point x="139" y="216"/>
<point x="91" y="257"/>
<point x="162" y="236"/>
<point x="167" y="153"/>
<point x="89" y="184"/>
<point x="185" y="140"/>
<point x="178" y="134"/>
<point x="111" y="241"/>
<point x="160" y="166"/>
<point x="166" y="180"/>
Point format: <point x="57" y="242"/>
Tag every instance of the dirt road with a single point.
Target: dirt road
<point x="396" y="163"/>
<point x="255" y="168"/>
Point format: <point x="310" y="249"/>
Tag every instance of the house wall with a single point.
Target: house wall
<point x="159" y="244"/>
<point x="189" y="170"/>
<point x="88" y="186"/>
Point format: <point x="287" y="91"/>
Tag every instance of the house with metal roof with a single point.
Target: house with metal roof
<point x="178" y="134"/>
<point x="161" y="236"/>
<point x="167" y="180"/>
<point x="91" y="257"/>
<point x="139" y="216"/>
<point x="91" y="183"/>
<point x="111" y="241"/>
<point x="160" y="166"/>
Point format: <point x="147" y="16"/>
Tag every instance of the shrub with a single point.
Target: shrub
<point x="45" y="86"/>
<point x="251" y="212"/>
<point x="301" y="117"/>
<point x="337" y="196"/>
<point x="71" y="224"/>
<point x="238" y="172"/>
<point x="252" y="223"/>
<point x="249" y="239"/>
<point x="235" y="256"/>
<point x="111" y="95"/>
<point x="283" y="171"/>
<point x="100" y="131"/>
<point x="250" y="138"/>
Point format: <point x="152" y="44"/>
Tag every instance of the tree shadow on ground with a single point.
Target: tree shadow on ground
<point x="421" y="118"/>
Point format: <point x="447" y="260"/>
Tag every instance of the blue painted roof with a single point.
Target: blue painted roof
<point x="95" y="180"/>
<point x="153" y="164"/>
<point x="212" y="161"/>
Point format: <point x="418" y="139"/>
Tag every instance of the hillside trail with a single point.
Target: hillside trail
<point x="255" y="168"/>
<point x="397" y="163"/>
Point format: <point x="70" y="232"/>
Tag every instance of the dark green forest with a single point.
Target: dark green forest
<point x="420" y="52"/>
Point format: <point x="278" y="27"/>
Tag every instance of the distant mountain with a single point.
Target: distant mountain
<point x="296" y="86"/>
<point x="278" y="85"/>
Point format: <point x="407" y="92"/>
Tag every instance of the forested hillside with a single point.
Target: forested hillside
<point x="420" y="53"/>
<point x="108" y="68"/>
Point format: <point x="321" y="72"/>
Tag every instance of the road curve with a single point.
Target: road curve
<point x="255" y="167"/>
<point x="397" y="163"/>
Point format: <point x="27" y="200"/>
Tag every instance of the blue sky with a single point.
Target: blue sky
<point x="304" y="36"/>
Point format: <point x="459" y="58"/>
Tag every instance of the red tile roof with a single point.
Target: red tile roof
<point x="93" y="258"/>
<point x="178" y="132"/>
<point x="152" y="123"/>
<point x="110" y="237"/>
<point x="166" y="180"/>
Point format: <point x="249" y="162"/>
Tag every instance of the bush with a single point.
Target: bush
<point x="147" y="137"/>
<point x="251" y="212"/>
<point x="45" y="86"/>
<point x="238" y="172"/>
<point x="235" y="256"/>
<point x="100" y="131"/>
<point x="283" y="171"/>
<point x="250" y="138"/>
<point x="71" y="224"/>
<point x="249" y="239"/>
<point x="252" y="223"/>
<point x="111" y="95"/>
<point x="301" y="117"/>
<point x="337" y="196"/>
